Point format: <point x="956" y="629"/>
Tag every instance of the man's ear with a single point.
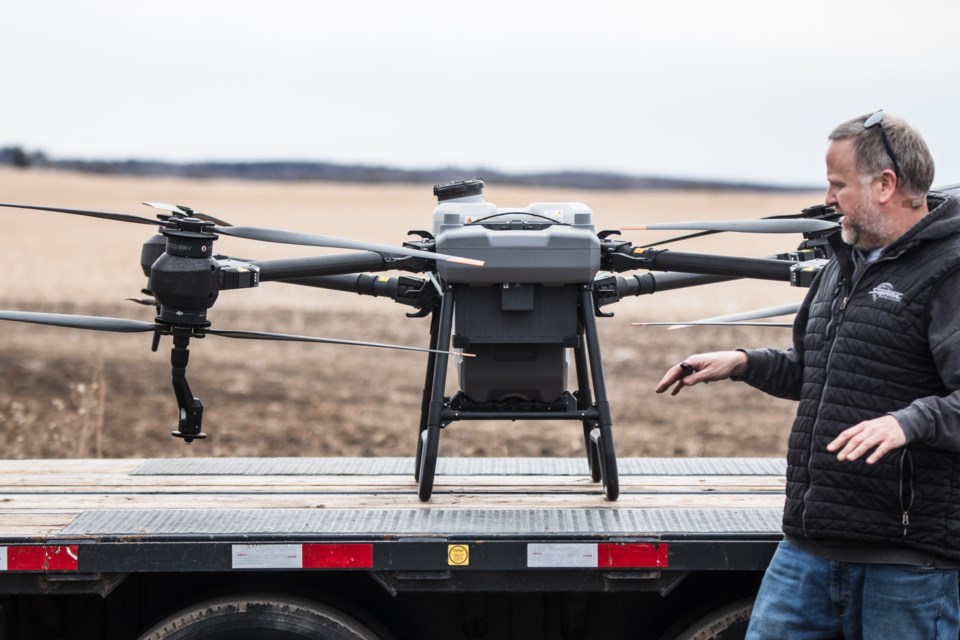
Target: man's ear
<point x="887" y="186"/>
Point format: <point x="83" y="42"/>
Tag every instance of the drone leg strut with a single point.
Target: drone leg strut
<point x="601" y="436"/>
<point x="427" y="388"/>
<point x="584" y="401"/>
<point x="429" y="443"/>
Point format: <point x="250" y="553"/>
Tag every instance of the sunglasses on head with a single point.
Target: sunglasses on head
<point x="877" y="120"/>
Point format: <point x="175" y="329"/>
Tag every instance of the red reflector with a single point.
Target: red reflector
<point x="40" y="558"/>
<point x="339" y="556"/>
<point x="632" y="555"/>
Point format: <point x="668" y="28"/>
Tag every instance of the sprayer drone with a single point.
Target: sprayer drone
<point x="511" y="294"/>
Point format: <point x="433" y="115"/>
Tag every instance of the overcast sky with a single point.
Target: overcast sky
<point x="725" y="89"/>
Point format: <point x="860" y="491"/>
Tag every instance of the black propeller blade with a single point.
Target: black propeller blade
<point x="674" y="325"/>
<point x="147" y="302"/>
<point x="121" y="217"/>
<point x="266" y="235"/>
<point x="93" y="323"/>
<point x="313" y="240"/>
<point x="261" y="335"/>
<point x="756" y="314"/>
<point x="741" y="226"/>
<point x="181" y="211"/>
<point x="735" y="319"/>
<point x="123" y="325"/>
<point x="817" y="212"/>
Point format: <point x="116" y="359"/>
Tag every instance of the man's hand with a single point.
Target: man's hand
<point x="881" y="434"/>
<point x="703" y="367"/>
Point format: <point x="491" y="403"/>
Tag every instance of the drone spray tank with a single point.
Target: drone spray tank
<point x="518" y="313"/>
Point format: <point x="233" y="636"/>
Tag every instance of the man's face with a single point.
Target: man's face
<point x="864" y="224"/>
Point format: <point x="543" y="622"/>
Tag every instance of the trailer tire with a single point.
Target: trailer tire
<point x="726" y="623"/>
<point x="260" y="617"/>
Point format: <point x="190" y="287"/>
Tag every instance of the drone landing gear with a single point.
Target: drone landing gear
<point x="598" y="433"/>
<point x="432" y="406"/>
<point x="437" y="411"/>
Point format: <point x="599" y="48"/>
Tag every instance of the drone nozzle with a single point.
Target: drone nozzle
<point x="188" y="437"/>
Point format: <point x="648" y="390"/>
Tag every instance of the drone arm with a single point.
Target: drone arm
<point x="341" y="273"/>
<point x="624" y="257"/>
<point x="298" y="268"/>
<point x="612" y="289"/>
<point x="404" y="289"/>
<point x="340" y="264"/>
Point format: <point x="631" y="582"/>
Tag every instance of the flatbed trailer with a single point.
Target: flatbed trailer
<point x="342" y="548"/>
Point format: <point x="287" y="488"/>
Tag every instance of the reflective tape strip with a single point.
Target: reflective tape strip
<point x="39" y="558"/>
<point x="564" y="554"/>
<point x="632" y="555"/>
<point x="267" y="556"/>
<point x="302" y="556"/>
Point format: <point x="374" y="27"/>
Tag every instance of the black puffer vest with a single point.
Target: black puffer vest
<point x="866" y="354"/>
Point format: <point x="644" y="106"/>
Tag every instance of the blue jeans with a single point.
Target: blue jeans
<point x="804" y="597"/>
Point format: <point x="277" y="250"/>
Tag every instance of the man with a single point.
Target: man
<point x="872" y="512"/>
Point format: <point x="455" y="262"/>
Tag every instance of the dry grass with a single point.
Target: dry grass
<point x="68" y="394"/>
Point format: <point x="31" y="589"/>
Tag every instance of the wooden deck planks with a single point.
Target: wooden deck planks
<point x="40" y="497"/>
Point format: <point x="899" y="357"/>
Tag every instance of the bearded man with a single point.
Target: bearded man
<point x="872" y="514"/>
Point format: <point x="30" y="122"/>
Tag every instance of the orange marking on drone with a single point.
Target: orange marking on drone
<point x="470" y="261"/>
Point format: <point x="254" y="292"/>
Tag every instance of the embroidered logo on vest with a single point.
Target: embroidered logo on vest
<point x="886" y="291"/>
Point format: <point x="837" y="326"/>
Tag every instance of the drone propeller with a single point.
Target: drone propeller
<point x="120" y="217"/>
<point x="816" y="212"/>
<point x="261" y="335"/>
<point x="700" y="323"/>
<point x="741" y="226"/>
<point x="756" y="314"/>
<point x="147" y="302"/>
<point x="124" y="325"/>
<point x="70" y="321"/>
<point x="735" y="319"/>
<point x="264" y="235"/>
<point x="180" y="211"/>
<point x="313" y="240"/>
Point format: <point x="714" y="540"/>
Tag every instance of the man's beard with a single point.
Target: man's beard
<point x="872" y="228"/>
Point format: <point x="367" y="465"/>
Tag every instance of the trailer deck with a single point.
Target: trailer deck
<point x="100" y="517"/>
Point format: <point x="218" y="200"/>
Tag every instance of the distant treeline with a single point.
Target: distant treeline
<point x="16" y="156"/>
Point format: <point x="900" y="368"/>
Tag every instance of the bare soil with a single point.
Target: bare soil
<point x="66" y="393"/>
